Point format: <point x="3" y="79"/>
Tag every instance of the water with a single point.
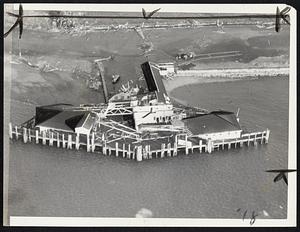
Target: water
<point x="48" y="181"/>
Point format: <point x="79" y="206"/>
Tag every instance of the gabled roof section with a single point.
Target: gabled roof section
<point x="43" y="113"/>
<point x="73" y="121"/>
<point x="64" y="120"/>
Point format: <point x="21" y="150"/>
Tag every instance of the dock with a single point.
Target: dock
<point x="135" y="148"/>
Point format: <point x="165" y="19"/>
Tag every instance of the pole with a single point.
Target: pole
<point x="139" y="155"/>
<point x="117" y="149"/>
<point x="267" y="136"/>
<point x="25" y="135"/>
<point x="17" y="135"/>
<point x="57" y="139"/>
<point x="128" y="152"/>
<point x="77" y="144"/>
<point x="63" y="141"/>
<point x="123" y="154"/>
<point x="69" y="141"/>
<point x="44" y="137"/>
<point x="93" y="142"/>
<point x="200" y="145"/>
<point x="51" y="138"/>
<point x="209" y="146"/>
<point x="10" y="130"/>
<point x="36" y="136"/>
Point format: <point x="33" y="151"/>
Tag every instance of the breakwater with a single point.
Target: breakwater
<point x="234" y="73"/>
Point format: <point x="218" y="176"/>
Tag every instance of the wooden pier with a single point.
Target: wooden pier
<point x="138" y="149"/>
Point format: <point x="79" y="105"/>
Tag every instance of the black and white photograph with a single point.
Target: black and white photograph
<point x="149" y="115"/>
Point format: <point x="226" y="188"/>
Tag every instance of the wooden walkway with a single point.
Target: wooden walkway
<point x="136" y="149"/>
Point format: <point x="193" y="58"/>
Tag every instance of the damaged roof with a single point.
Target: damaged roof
<point x="214" y="122"/>
<point x="55" y="117"/>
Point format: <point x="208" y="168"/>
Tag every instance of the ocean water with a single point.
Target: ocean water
<point x="49" y="181"/>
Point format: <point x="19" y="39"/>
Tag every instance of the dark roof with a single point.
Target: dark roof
<point x="63" y="120"/>
<point x="213" y="122"/>
<point x="43" y="113"/>
<point x="154" y="81"/>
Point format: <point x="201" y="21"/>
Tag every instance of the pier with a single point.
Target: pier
<point x="137" y="148"/>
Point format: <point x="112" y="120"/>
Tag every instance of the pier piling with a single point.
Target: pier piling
<point x="44" y="137"/>
<point x="117" y="149"/>
<point x="139" y="155"/>
<point x="267" y="136"/>
<point x="57" y="140"/>
<point x="88" y="147"/>
<point x="175" y="149"/>
<point x="51" y="138"/>
<point x="16" y="130"/>
<point x="169" y="149"/>
<point x="25" y="136"/>
<point x="63" y="141"/>
<point x="93" y="142"/>
<point x="77" y="143"/>
<point x="69" y="142"/>
<point x="123" y="152"/>
<point x="128" y="152"/>
<point x="36" y="136"/>
<point x="10" y="130"/>
<point x="209" y="146"/>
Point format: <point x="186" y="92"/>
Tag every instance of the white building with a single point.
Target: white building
<point x="166" y="69"/>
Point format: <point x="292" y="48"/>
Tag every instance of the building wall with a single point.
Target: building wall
<point x="222" y="135"/>
<point x="160" y="113"/>
<point x="82" y="130"/>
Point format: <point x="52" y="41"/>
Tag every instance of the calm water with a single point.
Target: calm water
<point x="48" y="181"/>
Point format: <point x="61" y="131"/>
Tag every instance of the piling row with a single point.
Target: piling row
<point x="133" y="151"/>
